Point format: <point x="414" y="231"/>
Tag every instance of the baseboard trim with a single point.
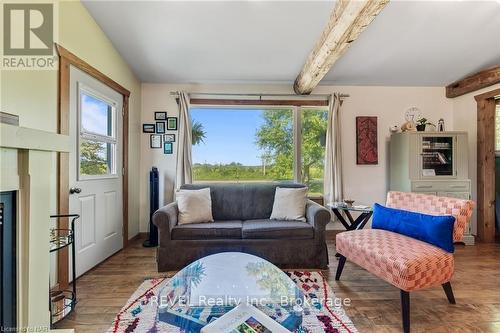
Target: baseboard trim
<point x="141" y="235"/>
<point x="468" y="240"/>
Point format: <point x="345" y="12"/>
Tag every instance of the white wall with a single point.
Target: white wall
<point x="465" y="119"/>
<point x="365" y="184"/>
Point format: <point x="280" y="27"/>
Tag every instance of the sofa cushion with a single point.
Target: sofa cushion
<point x="276" y="229"/>
<point x="195" y="206"/>
<point x="289" y="204"/>
<point x="242" y="201"/>
<point x="212" y="230"/>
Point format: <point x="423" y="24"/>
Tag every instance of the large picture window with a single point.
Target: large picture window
<point x="255" y="145"/>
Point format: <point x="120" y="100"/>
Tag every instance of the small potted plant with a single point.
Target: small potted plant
<point x="421" y="123"/>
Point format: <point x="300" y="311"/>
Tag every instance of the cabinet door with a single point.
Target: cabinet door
<point x="458" y="195"/>
<point x="437" y="156"/>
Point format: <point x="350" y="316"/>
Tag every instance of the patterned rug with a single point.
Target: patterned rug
<point x="326" y="314"/>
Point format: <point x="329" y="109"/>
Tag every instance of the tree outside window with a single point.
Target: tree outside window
<point x="258" y="145"/>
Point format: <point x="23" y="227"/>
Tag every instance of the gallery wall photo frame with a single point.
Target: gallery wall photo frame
<point x="160" y="127"/>
<point x="160" y="115"/>
<point x="148" y="128"/>
<point x="366" y="140"/>
<point x="168" y="137"/>
<point x="155" y="141"/>
<point x="172" y="123"/>
<point x="168" y="148"/>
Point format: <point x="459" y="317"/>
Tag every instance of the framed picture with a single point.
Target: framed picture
<point x="155" y="141"/>
<point x="172" y="123"/>
<point x="148" y="128"/>
<point x="168" y="148"/>
<point x="366" y="140"/>
<point x="160" y="127"/>
<point x="168" y="137"/>
<point x="160" y="115"/>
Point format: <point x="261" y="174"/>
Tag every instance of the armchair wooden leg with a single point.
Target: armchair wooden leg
<point x="449" y="292"/>
<point x="405" y="310"/>
<point x="340" y="267"/>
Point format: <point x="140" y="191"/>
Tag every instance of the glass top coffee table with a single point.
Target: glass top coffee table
<point x="213" y="285"/>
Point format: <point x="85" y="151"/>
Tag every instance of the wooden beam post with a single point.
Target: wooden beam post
<point x="486" y="167"/>
<point x="347" y="21"/>
<point x="482" y="79"/>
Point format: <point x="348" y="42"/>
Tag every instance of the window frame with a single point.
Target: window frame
<point x="85" y="135"/>
<point x="497" y="120"/>
<point x="297" y="128"/>
<point x="300" y="110"/>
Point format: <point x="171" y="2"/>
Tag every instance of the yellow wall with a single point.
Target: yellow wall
<point x="33" y="94"/>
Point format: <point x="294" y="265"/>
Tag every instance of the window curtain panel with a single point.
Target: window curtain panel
<point x="184" y="156"/>
<point x="333" y="187"/>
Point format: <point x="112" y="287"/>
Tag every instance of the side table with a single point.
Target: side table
<point x="353" y="224"/>
<point x="62" y="302"/>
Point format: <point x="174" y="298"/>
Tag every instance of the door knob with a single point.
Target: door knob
<point x="74" y="190"/>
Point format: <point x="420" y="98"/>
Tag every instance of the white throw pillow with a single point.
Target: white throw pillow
<point x="195" y="206"/>
<point x="289" y="204"/>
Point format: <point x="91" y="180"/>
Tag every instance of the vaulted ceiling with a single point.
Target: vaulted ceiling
<point x="410" y="43"/>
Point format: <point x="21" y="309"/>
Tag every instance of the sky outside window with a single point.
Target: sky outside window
<point x="230" y="136"/>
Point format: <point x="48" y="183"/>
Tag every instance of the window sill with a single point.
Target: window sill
<point x="316" y="198"/>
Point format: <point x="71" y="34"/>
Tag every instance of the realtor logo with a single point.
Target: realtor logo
<point x="28" y="29"/>
<point x="29" y="33"/>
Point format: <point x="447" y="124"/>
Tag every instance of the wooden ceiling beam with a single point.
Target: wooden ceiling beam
<point x="347" y="21"/>
<point x="482" y="79"/>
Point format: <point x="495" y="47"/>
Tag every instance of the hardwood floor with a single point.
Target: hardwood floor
<point x="375" y="304"/>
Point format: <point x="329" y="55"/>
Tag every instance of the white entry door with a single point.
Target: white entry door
<point x="95" y="174"/>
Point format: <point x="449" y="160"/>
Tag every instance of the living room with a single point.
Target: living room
<point x="247" y="140"/>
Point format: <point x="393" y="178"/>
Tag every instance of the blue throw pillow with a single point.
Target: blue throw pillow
<point x="435" y="230"/>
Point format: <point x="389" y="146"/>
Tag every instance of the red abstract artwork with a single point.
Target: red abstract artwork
<point x="366" y="140"/>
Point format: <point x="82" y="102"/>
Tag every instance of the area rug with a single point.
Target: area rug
<point x="325" y="315"/>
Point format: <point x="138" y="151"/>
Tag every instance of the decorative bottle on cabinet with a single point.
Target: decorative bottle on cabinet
<point x="431" y="162"/>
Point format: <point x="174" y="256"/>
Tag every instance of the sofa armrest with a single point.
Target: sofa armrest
<point x="318" y="216"/>
<point x="165" y="219"/>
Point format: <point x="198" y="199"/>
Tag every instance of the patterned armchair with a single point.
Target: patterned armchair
<point x="408" y="264"/>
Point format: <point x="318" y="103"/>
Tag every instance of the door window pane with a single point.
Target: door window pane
<point x="96" y="115"/>
<point x="314" y="124"/>
<point x="96" y="158"/>
<point x="242" y="144"/>
<point x="97" y="136"/>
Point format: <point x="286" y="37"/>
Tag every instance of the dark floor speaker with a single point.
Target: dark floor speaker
<point x="152" y="241"/>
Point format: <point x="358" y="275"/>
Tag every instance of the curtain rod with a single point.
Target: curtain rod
<point x="174" y="93"/>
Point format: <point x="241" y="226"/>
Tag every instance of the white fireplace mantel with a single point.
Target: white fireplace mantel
<point x="32" y="139"/>
<point x="27" y="161"/>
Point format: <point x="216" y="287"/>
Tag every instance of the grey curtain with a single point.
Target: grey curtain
<point x="184" y="143"/>
<point x="333" y="187"/>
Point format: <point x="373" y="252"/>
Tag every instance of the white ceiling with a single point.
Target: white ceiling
<point x="411" y="43"/>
